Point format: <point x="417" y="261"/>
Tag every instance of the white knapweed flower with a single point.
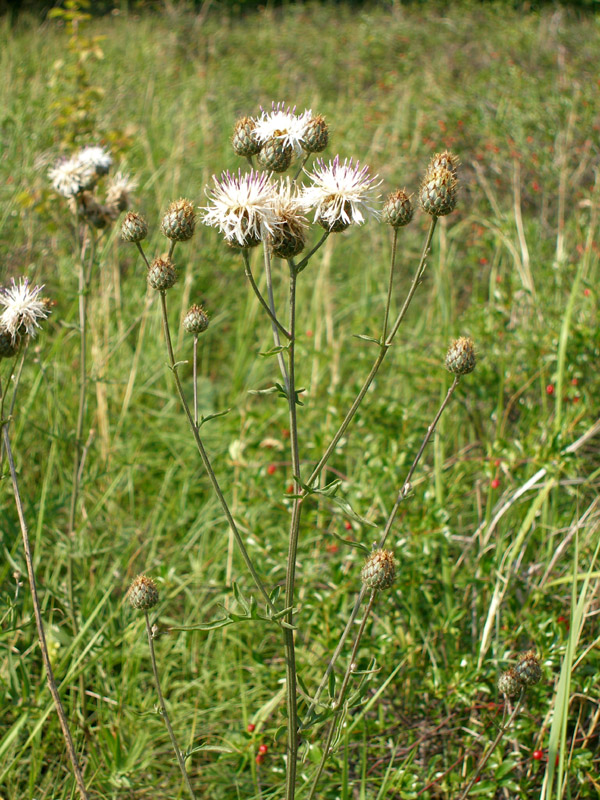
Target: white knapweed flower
<point x="282" y="123"/>
<point x="241" y="206"/>
<point x="288" y="202"/>
<point x="22" y="308"/>
<point x="97" y="157"/>
<point x="70" y="176"/>
<point x="341" y="194"/>
<point x="119" y="189"/>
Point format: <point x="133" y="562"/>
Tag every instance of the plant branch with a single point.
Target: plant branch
<point x="261" y="299"/>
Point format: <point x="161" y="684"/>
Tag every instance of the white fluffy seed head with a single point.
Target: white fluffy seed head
<point x="22" y="308"/>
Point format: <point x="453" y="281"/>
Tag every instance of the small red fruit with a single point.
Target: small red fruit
<point x="477" y="779"/>
<point x="497" y="462"/>
<point x="259" y="759"/>
<point x="271" y="469"/>
<point x="251" y="727"/>
<point x="290" y="489"/>
<point x="538" y="755"/>
<point x="348" y="525"/>
<point x="495" y="483"/>
<point x="576" y="398"/>
<point x="549" y="389"/>
<point x="574" y="381"/>
<point x="586" y="292"/>
<point x="262" y="749"/>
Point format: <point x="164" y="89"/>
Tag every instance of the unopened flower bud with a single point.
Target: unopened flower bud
<point x="196" y="320"/>
<point x="438" y="190"/>
<point x="316" y="135"/>
<point x="528" y="669"/>
<point x="461" y="357"/>
<point x="179" y="222"/>
<point x="509" y="683"/>
<point x="398" y="210"/>
<point x="162" y="274"/>
<point x="9" y="345"/>
<point x="275" y="155"/>
<point x="143" y="593"/>
<point x="379" y="570"/>
<point x="134" y="228"/>
<point x="244" y="141"/>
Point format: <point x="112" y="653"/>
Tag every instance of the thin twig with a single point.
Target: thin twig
<point x="163" y="709"/>
<point x="261" y="299"/>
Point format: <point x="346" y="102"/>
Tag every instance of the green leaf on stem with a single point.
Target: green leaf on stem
<point x="274" y="351"/>
<point x="366" y="338"/>
<point x="208" y="417"/>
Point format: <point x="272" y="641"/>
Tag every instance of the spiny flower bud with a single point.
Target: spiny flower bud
<point x="274" y="155"/>
<point x="179" y="222"/>
<point x="379" y="570"/>
<point x="134" y="228"/>
<point x="461" y="358"/>
<point x="509" y="683"/>
<point x="196" y="320"/>
<point x="9" y="346"/>
<point x="316" y="135"/>
<point x="438" y="190"/>
<point x="528" y="669"/>
<point x="143" y="593"/>
<point x="244" y="139"/>
<point x="398" y="210"/>
<point x="162" y="274"/>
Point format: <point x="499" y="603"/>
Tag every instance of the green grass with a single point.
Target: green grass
<point x="515" y="267"/>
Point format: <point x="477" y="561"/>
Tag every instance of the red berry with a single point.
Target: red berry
<point x="549" y="389"/>
<point x="495" y="483"/>
<point x="497" y="462"/>
<point x="574" y="381"/>
<point x="586" y="292"/>
<point x="251" y="727"/>
<point x="538" y="755"/>
<point x="259" y="759"/>
<point x="576" y="398"/>
<point x="348" y="525"/>
<point x="477" y="779"/>
<point x="262" y="749"/>
<point x="271" y="469"/>
<point x="290" y="489"/>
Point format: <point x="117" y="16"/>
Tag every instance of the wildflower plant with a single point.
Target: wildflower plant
<point x="253" y="209"/>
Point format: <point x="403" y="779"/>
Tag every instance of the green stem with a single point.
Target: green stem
<point x="258" y="294"/>
<point x="301" y="167"/>
<point x="40" y="626"/>
<point x="390" y="287"/>
<point x="195" y="378"/>
<point x="304" y="263"/>
<point x="288" y="634"/>
<point x="273" y="315"/>
<point x="339" y="702"/>
<point x="206" y="460"/>
<point x="163" y="709"/>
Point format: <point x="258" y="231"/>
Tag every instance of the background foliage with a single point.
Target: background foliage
<point x="516" y="267"/>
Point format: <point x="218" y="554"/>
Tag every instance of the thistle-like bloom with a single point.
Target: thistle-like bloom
<point x="97" y="157"/>
<point x="22" y="308"/>
<point x="341" y="194"/>
<point x="119" y="190"/>
<point x="282" y="123"/>
<point x="70" y="176"/>
<point x="241" y="206"/>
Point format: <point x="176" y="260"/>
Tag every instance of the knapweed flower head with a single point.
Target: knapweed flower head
<point x="290" y="225"/>
<point x="283" y="124"/>
<point x="241" y="207"/>
<point x="70" y="176"/>
<point x="22" y="309"/>
<point x="379" y="570"/>
<point x="509" y="683"/>
<point x="118" y="193"/>
<point x="461" y="357"/>
<point x="97" y="157"/>
<point x="142" y="593"/>
<point x="196" y="320"/>
<point x="341" y="193"/>
<point x="528" y="669"/>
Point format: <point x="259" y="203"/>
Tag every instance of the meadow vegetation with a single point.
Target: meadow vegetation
<point x="496" y="542"/>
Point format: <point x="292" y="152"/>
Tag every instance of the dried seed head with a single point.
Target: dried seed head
<point x="509" y="683"/>
<point x="196" y="320"/>
<point x="162" y="274"/>
<point x="379" y="570"/>
<point x="9" y="345"/>
<point x="134" y="228"/>
<point x="528" y="669"/>
<point x="143" y="593"/>
<point x="275" y="155"/>
<point x="398" y="210"/>
<point x="179" y="223"/>
<point x="316" y="135"/>
<point x="287" y="240"/>
<point x="438" y="190"/>
<point x="244" y="141"/>
<point x="461" y="357"/>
